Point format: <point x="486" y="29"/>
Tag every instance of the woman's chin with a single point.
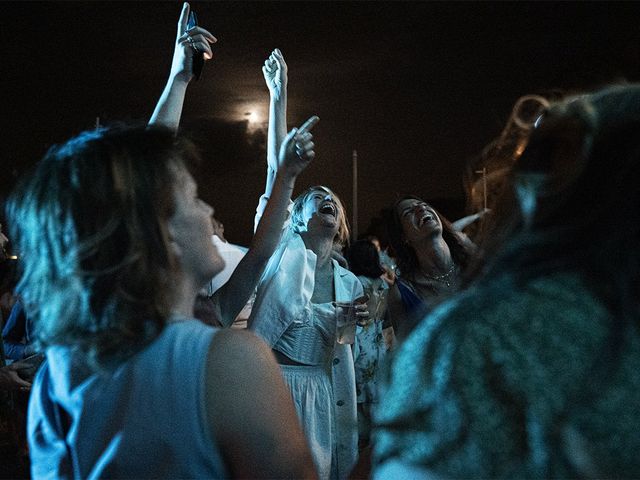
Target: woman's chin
<point x="323" y="226"/>
<point x="214" y="266"/>
<point x="328" y="221"/>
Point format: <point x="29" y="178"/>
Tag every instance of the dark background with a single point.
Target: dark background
<point x="418" y="88"/>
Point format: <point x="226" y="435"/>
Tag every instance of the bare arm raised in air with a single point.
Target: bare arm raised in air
<point x="189" y="42"/>
<point x="464" y="222"/>
<point x="275" y="76"/>
<point x="296" y="152"/>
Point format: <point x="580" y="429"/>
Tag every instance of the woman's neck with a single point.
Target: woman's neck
<point x="321" y="246"/>
<point x="434" y="256"/>
<point x="183" y="297"/>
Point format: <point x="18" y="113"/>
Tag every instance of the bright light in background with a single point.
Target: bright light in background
<point x="254" y="113"/>
<point x="251" y="116"/>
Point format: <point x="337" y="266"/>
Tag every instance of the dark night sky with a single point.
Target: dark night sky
<point x="417" y="88"/>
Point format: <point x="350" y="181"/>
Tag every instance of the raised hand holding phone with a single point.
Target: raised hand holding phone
<point x="190" y="43"/>
<point x="192" y="46"/>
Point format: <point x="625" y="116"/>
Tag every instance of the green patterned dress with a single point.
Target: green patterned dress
<point x="514" y="381"/>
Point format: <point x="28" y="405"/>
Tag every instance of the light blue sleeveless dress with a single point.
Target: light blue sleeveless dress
<point x="144" y="419"/>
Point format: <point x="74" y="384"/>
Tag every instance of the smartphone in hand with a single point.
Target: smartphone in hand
<point x="198" y="57"/>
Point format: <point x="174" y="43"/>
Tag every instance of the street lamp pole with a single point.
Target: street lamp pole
<point x="354" y="223"/>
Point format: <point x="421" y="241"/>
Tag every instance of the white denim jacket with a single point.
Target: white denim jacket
<point x="286" y="286"/>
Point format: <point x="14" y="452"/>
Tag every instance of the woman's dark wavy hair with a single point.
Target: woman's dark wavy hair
<point x="364" y="259"/>
<point x="576" y="186"/>
<point x="461" y="251"/>
<point x="90" y="225"/>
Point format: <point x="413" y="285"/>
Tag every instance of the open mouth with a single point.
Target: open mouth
<point x="328" y="208"/>
<point x="426" y="217"/>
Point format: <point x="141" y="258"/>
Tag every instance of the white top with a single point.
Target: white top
<point x="311" y="343"/>
<point x="232" y="254"/>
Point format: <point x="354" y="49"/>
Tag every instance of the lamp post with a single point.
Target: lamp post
<point x="354" y="223"/>
<point x="484" y="186"/>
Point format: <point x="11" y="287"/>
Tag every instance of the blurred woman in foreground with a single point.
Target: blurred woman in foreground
<point x="532" y="372"/>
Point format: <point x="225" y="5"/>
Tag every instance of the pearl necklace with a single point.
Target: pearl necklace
<point x="444" y="278"/>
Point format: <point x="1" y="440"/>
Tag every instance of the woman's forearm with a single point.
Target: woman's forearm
<point x="169" y="107"/>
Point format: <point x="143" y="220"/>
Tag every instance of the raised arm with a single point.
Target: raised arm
<point x="464" y="222"/>
<point x="275" y="76"/>
<point x="189" y="42"/>
<point x="296" y="153"/>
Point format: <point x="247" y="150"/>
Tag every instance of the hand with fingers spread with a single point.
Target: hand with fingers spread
<point x="297" y="151"/>
<point x="189" y="42"/>
<point x="275" y="74"/>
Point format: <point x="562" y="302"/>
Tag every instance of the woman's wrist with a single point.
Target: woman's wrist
<point x="180" y="79"/>
<point x="278" y="99"/>
<point x="287" y="178"/>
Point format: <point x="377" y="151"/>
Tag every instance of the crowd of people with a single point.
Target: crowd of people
<point x="435" y="355"/>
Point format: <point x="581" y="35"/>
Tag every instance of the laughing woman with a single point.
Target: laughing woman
<point x="295" y="310"/>
<point x="430" y="255"/>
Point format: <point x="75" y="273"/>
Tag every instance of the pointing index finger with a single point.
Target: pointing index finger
<point x="309" y="124"/>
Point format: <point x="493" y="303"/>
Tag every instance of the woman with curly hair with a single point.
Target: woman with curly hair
<point x="431" y="256"/>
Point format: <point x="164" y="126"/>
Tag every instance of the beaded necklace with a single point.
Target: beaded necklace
<point x="444" y="278"/>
